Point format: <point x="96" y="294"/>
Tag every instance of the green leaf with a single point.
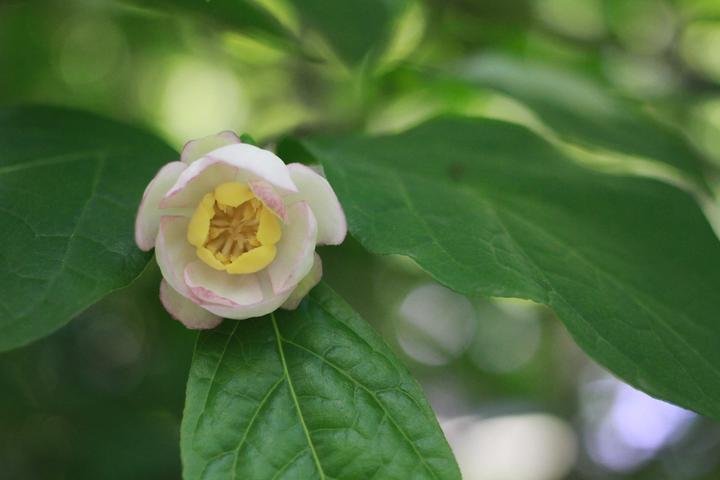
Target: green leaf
<point x="581" y="111"/>
<point x="245" y="15"/>
<point x="70" y="184"/>
<point x="310" y="393"/>
<point x="629" y="264"/>
<point x="356" y="29"/>
<point x="247" y="138"/>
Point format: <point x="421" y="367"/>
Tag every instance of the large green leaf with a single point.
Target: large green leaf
<point x="487" y="207"/>
<point x="582" y="111"/>
<point x="355" y="29"/>
<point x="70" y="184"/>
<point x="312" y="393"/>
<point x="245" y="15"/>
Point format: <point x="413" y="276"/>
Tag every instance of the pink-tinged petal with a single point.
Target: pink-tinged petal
<point x="305" y="285"/>
<point x="181" y="309"/>
<point x="240" y="162"/>
<point x="148" y="216"/>
<point x="295" y="250"/>
<point x="201" y="177"/>
<point x="269" y="197"/>
<point x="195" y="149"/>
<point x="317" y="192"/>
<point x="256" y="163"/>
<point x="268" y="304"/>
<point x="210" y="286"/>
<point x="174" y="253"/>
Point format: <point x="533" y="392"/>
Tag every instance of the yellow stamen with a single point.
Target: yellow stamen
<point x="233" y="231"/>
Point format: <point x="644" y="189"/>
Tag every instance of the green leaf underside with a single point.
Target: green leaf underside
<point x="310" y="393"/>
<point x="243" y="15"/>
<point x="581" y="111"/>
<point x="70" y="184"/>
<point x="354" y="28"/>
<point x="629" y="264"/>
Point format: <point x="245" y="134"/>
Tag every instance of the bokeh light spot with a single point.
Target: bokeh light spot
<point x="529" y="446"/>
<point x="435" y="324"/>
<point x="200" y="98"/>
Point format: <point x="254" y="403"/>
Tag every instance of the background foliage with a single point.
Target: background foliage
<point x="620" y="87"/>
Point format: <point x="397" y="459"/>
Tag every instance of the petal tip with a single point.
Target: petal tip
<point x="305" y="285"/>
<point x="185" y="311"/>
<point x="148" y="216"/>
<point x="196" y="149"/>
<point x="267" y="195"/>
<point x="204" y="296"/>
<point x="317" y="191"/>
<point x="295" y="249"/>
<point x="142" y="242"/>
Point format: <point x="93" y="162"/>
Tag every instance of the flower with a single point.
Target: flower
<point x="234" y="230"/>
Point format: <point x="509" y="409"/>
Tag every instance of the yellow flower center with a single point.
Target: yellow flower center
<point x="233" y="231"/>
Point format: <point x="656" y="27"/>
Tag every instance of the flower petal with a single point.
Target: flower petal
<point x="305" y="285"/>
<point x="148" y="216"/>
<point x="195" y="149"/>
<point x="253" y="260"/>
<point x="173" y="252"/>
<point x="269" y="197"/>
<point x="211" y="286"/>
<point x="233" y="194"/>
<point x="269" y="231"/>
<point x="180" y="308"/>
<point x="316" y="191"/>
<point x="239" y="162"/>
<point x="199" y="226"/>
<point x="209" y="258"/>
<point x="295" y="249"/>
<point x="268" y="304"/>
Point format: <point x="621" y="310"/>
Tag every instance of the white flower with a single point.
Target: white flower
<point x="235" y="229"/>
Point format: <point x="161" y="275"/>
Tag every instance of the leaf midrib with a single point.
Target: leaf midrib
<point x="369" y="392"/>
<point x="286" y="372"/>
<point x="360" y="385"/>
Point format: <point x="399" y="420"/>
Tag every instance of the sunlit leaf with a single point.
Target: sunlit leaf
<point x="243" y="15"/>
<point x="582" y="111"/>
<point x="70" y="184"/>
<point x="311" y="393"/>
<point x="630" y="265"/>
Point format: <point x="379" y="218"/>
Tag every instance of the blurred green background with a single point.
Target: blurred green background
<point x="103" y="397"/>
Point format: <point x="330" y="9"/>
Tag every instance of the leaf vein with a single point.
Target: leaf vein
<point x="294" y="397"/>
<point x="372" y="395"/>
